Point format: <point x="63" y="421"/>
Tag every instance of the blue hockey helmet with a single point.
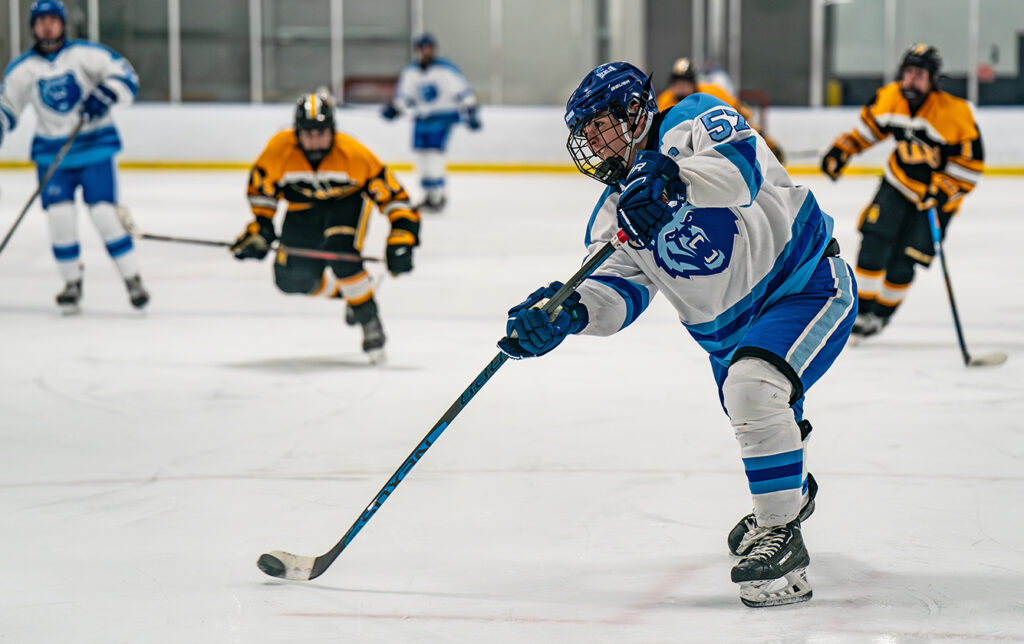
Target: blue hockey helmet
<point x="47" y="8"/>
<point x="622" y="93"/>
<point x="424" y="40"/>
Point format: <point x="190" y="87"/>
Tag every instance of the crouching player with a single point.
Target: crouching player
<point x="331" y="183"/>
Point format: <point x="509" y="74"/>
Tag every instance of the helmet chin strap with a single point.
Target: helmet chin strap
<point x="633" y="141"/>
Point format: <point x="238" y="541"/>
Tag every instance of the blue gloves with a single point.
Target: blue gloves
<point x="472" y="120"/>
<point x="535" y="333"/>
<point x="642" y="213"/>
<point x="98" y="103"/>
<point x="389" y="112"/>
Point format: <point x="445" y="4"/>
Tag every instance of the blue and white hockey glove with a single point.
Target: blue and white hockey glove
<point x="98" y="103"/>
<point x="389" y="112"/>
<point x="652" y="192"/>
<point x="472" y="119"/>
<point x="530" y="332"/>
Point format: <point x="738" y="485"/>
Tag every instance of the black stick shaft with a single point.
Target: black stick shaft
<point x="298" y="252"/>
<point x="42" y="183"/>
<point x="933" y="221"/>
<point x="325" y="560"/>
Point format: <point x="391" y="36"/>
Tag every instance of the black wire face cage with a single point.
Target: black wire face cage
<point x="608" y="171"/>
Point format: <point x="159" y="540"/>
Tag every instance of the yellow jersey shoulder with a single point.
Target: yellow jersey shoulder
<point x="717" y="92"/>
<point x="951" y="115"/>
<point x="889" y="100"/>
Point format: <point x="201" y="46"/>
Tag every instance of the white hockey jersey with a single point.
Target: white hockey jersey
<point x="746" y="238"/>
<point x="440" y="89"/>
<point x="56" y="84"/>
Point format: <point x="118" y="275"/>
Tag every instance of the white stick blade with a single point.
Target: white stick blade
<point x="285" y="565"/>
<point x="987" y="360"/>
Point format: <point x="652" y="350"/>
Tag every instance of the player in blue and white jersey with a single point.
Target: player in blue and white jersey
<point x="747" y="260"/>
<point x="67" y="81"/>
<point x="436" y="93"/>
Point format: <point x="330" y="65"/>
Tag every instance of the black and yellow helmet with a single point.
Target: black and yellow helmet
<point x="314" y="111"/>
<point x="682" y="69"/>
<point x="924" y="56"/>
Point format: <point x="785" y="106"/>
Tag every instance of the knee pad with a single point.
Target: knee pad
<point x="875" y="251"/>
<point x="63" y="220"/>
<point x="104" y="217"/>
<point x="900" y="270"/>
<point x="297" y="279"/>
<point x="756" y="397"/>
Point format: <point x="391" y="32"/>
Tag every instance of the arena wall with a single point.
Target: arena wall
<point x="514" y="138"/>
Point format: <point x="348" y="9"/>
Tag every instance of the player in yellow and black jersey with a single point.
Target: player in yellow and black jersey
<point x="683" y="81"/>
<point x="938" y="159"/>
<point x="331" y="182"/>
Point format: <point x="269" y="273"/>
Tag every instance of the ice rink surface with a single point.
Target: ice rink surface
<point x="147" y="459"/>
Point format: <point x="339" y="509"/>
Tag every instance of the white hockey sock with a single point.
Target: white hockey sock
<point x="118" y="241"/>
<point x="756" y="396"/>
<point x="432" y="173"/>
<point x="63" y="220"/>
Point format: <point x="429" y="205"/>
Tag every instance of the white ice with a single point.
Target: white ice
<point x="148" y="459"/>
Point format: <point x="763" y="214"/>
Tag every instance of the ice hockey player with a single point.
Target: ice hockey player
<point x="67" y="81"/>
<point x="937" y="160"/>
<point x="683" y="82"/>
<point x="330" y="182"/>
<point x="747" y="260"/>
<point x="438" y="95"/>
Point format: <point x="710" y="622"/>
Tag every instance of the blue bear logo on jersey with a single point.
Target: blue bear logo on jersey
<point x="700" y="244"/>
<point x="429" y="92"/>
<point x="61" y="93"/>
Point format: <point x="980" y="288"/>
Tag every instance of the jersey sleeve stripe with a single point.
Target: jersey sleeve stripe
<point x="131" y="83"/>
<point x="636" y="297"/>
<point x="11" y="120"/>
<point x="962" y="174"/>
<point x="743" y="155"/>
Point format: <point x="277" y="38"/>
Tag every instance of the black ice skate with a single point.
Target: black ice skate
<point x="865" y="326"/>
<point x="373" y="340"/>
<point x="69" y="298"/>
<point x="774" y="572"/>
<point x="136" y="292"/>
<point x="741" y="536"/>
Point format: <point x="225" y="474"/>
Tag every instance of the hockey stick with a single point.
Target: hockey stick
<point x="132" y="229"/>
<point x="986" y="360"/>
<point x="46" y="178"/>
<point x="804" y="154"/>
<point x="285" y="565"/>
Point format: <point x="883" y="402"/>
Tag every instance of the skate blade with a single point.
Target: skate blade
<point x="855" y="340"/>
<point x="791" y="588"/>
<point x="69" y="309"/>
<point x="377" y="356"/>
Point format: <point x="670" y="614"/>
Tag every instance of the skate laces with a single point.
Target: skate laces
<point x="768" y="543"/>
